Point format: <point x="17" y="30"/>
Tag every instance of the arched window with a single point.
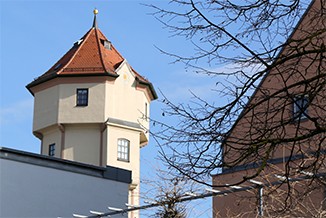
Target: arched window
<point x="123" y="149"/>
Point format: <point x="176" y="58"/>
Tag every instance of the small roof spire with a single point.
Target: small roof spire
<point x="95" y="11"/>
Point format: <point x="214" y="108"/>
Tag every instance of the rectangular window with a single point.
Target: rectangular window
<point x="123" y="149"/>
<point x="82" y="97"/>
<point x="300" y="107"/>
<point x="52" y="149"/>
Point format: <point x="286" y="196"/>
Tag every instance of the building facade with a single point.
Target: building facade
<point x="91" y="107"/>
<point x="280" y="135"/>
<point x="34" y="185"/>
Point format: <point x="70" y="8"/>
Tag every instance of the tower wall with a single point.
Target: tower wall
<point x="124" y="100"/>
<point x="92" y="113"/>
<point x="46" y="104"/>
<point x="83" y="143"/>
<point x="51" y="135"/>
<point x="118" y="132"/>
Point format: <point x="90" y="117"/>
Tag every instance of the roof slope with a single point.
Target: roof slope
<point x="92" y="55"/>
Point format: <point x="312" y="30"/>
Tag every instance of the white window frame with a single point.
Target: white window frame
<point x="123" y="150"/>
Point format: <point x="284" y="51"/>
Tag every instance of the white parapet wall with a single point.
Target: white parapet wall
<point x="33" y="185"/>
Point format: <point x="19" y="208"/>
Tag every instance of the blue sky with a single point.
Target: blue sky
<point x="35" y="34"/>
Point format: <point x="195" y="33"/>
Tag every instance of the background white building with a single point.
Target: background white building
<point x="33" y="185"/>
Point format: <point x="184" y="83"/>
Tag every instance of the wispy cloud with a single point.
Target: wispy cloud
<point x="16" y="112"/>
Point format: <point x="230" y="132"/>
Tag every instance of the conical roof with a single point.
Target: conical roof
<point x="92" y="55"/>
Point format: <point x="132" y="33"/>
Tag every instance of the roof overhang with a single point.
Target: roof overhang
<point x="148" y="85"/>
<point x="47" y="78"/>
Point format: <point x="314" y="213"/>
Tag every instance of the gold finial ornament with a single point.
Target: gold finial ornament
<point x="94" y="21"/>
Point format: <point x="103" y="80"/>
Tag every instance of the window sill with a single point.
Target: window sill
<point x="301" y="120"/>
<point x="123" y="160"/>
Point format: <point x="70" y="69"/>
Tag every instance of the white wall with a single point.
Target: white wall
<point x="32" y="190"/>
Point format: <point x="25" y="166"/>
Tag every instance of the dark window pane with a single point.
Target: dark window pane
<point x="300" y="107"/>
<point x="82" y="97"/>
<point x="52" y="149"/>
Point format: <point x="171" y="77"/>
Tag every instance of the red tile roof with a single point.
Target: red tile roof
<point x="89" y="56"/>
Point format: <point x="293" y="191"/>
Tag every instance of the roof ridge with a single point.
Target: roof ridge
<point x="99" y="48"/>
<point x="84" y="38"/>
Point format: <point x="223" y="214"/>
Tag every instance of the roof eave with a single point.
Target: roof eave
<point x="53" y="76"/>
<point x="150" y="86"/>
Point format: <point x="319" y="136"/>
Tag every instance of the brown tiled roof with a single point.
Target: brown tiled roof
<point x="89" y="56"/>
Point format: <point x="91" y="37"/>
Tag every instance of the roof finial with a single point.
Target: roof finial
<point x="95" y="11"/>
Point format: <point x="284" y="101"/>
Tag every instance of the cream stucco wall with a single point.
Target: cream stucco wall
<point x="57" y="104"/>
<point x="116" y="109"/>
<point x="82" y="134"/>
<point x="119" y="99"/>
<point x="113" y="134"/>
<point x="82" y="143"/>
<point x="51" y="135"/>
<point x="124" y="101"/>
<point x="70" y="113"/>
<point x="46" y="104"/>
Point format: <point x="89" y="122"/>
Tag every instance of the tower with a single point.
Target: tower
<point x="91" y="106"/>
